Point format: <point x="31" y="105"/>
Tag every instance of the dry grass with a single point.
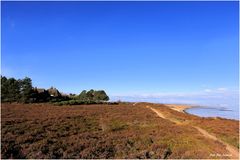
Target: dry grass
<point x="103" y="131"/>
<point x="225" y="129"/>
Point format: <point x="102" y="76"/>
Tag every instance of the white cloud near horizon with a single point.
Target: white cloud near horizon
<point x="215" y="97"/>
<point x="180" y="94"/>
<point x="222" y="89"/>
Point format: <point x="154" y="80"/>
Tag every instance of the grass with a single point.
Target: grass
<point x="225" y="129"/>
<point x="116" y="125"/>
<point x="48" y="131"/>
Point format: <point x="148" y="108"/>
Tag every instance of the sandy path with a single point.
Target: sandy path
<point x="158" y="113"/>
<point x="232" y="150"/>
<point x="135" y="103"/>
<point x="179" y="108"/>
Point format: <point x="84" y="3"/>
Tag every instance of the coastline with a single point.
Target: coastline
<point x="179" y="107"/>
<point x="183" y="109"/>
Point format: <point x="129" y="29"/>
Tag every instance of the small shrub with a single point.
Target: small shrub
<point x="11" y="150"/>
<point x="117" y="125"/>
<point x="44" y="149"/>
<point x="167" y="153"/>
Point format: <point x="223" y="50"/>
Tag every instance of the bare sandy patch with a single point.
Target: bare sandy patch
<point x="178" y="107"/>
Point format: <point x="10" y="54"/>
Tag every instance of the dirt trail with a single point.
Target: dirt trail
<point x="158" y="113"/>
<point x="232" y="150"/>
<point x="135" y="103"/>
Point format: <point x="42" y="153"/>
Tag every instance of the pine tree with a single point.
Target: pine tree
<point x="26" y="90"/>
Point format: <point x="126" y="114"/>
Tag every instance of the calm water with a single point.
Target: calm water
<point x="226" y="112"/>
<point x="217" y="105"/>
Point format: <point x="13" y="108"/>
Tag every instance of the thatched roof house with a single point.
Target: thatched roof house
<point x="54" y="92"/>
<point x="39" y="90"/>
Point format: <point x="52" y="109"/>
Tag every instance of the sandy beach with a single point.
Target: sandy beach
<point x="178" y="107"/>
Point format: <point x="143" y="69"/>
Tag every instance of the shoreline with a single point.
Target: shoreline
<point x="179" y="107"/>
<point x="183" y="109"/>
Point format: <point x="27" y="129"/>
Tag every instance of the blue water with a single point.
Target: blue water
<point x="229" y="113"/>
<point x="212" y="105"/>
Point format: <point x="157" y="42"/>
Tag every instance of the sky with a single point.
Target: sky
<point x="129" y="49"/>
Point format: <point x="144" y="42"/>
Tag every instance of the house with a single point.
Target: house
<point x="54" y="92"/>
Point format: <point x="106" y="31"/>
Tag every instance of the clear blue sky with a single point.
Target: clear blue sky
<point x="122" y="47"/>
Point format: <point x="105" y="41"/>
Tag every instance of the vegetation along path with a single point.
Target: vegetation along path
<point x="232" y="150"/>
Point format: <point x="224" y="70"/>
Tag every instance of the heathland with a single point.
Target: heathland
<point x="123" y="130"/>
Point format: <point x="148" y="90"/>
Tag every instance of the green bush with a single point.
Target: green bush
<point x="79" y="102"/>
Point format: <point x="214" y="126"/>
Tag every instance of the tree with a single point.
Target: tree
<point x="10" y="90"/>
<point x="26" y="90"/>
<point x="90" y="95"/>
<point x="21" y="90"/>
<point x="93" y="95"/>
<point x="100" y="95"/>
<point x="4" y="89"/>
<point x="82" y="95"/>
<point x="13" y="90"/>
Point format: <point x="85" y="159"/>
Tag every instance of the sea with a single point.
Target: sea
<point x="225" y="107"/>
<point x="230" y="112"/>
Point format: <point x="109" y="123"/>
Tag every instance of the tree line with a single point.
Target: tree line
<point x="22" y="91"/>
